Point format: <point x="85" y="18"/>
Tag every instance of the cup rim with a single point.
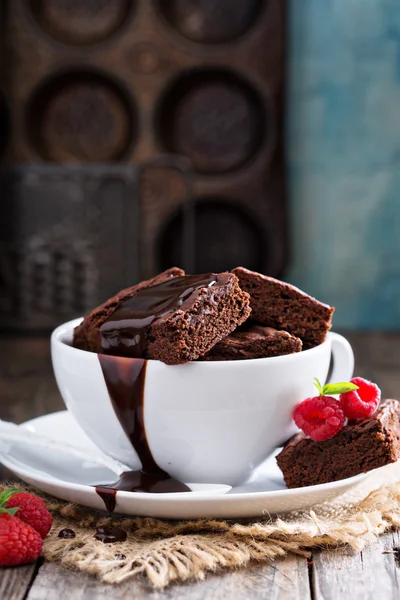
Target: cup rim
<point x="67" y="328"/>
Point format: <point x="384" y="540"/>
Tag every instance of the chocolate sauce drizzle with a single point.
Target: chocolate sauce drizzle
<point x="124" y="335"/>
<point x="125" y="379"/>
<point x="110" y="535"/>
<point x="67" y="534"/>
<point x="124" y="332"/>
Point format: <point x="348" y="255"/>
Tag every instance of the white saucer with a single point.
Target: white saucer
<point x="69" y="478"/>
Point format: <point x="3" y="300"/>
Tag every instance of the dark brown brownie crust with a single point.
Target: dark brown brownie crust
<point x="357" y="448"/>
<point x="205" y="318"/>
<point x="87" y="334"/>
<point x="254" y="341"/>
<point x="283" y="306"/>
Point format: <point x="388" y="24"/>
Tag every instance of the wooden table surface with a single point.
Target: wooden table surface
<point x="27" y="390"/>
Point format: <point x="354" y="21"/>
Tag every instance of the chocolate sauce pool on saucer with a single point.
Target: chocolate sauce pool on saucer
<point x="124" y="334"/>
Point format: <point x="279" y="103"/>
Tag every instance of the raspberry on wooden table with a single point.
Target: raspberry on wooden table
<point x="31" y="510"/>
<point x="19" y="542"/>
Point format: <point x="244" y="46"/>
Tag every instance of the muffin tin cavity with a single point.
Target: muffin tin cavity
<point x="81" y="22"/>
<point x="215" y="118"/>
<point x="225" y="235"/>
<point x="210" y="21"/>
<point x="81" y="116"/>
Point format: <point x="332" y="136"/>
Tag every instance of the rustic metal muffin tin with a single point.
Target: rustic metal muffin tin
<point x="122" y="81"/>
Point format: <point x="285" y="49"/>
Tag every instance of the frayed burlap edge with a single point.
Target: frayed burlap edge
<point x="165" y="551"/>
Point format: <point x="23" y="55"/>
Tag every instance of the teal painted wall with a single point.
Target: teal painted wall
<point x="344" y="157"/>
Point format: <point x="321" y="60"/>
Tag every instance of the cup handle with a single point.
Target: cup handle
<point x="343" y="359"/>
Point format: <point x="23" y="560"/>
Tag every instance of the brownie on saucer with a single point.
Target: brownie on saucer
<point x="280" y="305"/>
<point x="252" y="340"/>
<point x="174" y="320"/>
<point x="359" y="447"/>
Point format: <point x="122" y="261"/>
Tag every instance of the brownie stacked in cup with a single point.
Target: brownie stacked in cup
<point x="227" y="316"/>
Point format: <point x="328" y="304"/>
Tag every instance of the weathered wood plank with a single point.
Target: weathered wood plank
<point x="349" y="575"/>
<point x="388" y="380"/>
<point x="53" y="582"/>
<point x="383" y="348"/>
<point x="15" y="582"/>
<point x="27" y="384"/>
<point x="28" y="388"/>
<point x="285" y="579"/>
<point x="359" y="343"/>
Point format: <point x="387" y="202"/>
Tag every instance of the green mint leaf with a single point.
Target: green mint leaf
<point x="9" y="511"/>
<point x="341" y="387"/>
<point x="6" y="495"/>
<point x="318" y="385"/>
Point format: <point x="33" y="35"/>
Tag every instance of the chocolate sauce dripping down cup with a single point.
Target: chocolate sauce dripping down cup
<point x="124" y="370"/>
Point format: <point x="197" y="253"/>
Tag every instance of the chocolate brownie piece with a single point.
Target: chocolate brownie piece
<point x="254" y="341"/>
<point x="176" y="320"/>
<point x="357" y="448"/>
<point x="87" y="335"/>
<point x="206" y="316"/>
<point x="278" y="304"/>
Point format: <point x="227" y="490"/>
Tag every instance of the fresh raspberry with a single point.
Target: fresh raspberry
<point x="321" y="417"/>
<point x="31" y="510"/>
<point x="19" y="542"/>
<point x="363" y="402"/>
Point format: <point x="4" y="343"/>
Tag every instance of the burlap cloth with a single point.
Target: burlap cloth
<point x="168" y="551"/>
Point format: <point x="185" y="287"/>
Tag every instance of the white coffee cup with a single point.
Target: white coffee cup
<point x="212" y="422"/>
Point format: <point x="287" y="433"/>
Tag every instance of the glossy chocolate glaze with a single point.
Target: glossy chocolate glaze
<point x="125" y="334"/>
